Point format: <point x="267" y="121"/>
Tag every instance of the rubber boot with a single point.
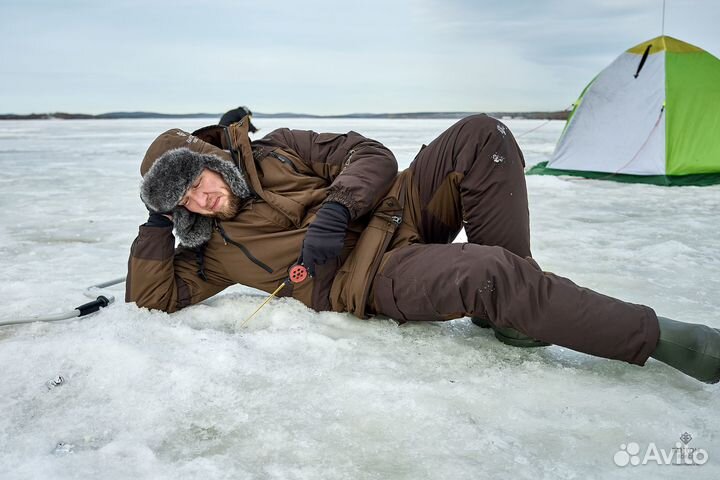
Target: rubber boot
<point x="509" y="336"/>
<point x="692" y="348"/>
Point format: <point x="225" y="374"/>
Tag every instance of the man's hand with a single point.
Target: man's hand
<point x="325" y="236"/>
<point x="159" y="220"/>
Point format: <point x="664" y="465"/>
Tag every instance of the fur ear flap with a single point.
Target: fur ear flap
<point x="192" y="230"/>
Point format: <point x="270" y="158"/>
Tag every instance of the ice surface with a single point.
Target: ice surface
<point x="306" y="395"/>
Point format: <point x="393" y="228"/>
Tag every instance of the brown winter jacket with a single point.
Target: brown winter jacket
<point x="291" y="173"/>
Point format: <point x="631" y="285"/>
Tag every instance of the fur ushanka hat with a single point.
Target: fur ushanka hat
<point x="171" y="174"/>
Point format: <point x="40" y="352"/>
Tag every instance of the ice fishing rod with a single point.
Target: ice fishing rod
<point x="100" y="301"/>
<point x="297" y="274"/>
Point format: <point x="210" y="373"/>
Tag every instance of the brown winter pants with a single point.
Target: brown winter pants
<point x="472" y="176"/>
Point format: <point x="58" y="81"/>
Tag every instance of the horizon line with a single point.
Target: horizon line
<point x="558" y="114"/>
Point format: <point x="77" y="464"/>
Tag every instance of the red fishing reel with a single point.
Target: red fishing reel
<point x="298" y="273"/>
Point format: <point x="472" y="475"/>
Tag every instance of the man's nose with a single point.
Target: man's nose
<point x="198" y="198"/>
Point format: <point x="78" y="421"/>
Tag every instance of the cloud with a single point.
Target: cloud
<point x="321" y="56"/>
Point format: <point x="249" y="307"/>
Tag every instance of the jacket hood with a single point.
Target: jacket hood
<point x="177" y="138"/>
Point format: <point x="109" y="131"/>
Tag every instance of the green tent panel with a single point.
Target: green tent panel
<point x="651" y="116"/>
<point x="692" y="94"/>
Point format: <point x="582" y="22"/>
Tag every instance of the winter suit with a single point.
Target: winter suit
<point x="397" y="260"/>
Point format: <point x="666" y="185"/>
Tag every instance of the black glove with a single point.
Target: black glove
<point x="235" y="115"/>
<point x="158" y="220"/>
<point x="325" y="236"/>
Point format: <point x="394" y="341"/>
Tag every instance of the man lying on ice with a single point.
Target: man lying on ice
<point x="376" y="241"/>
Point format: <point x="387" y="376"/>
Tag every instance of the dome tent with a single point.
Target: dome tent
<point x="651" y="116"/>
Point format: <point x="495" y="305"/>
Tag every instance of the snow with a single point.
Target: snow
<point x="299" y="394"/>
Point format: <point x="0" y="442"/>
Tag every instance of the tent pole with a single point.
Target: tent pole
<point x="662" y="31"/>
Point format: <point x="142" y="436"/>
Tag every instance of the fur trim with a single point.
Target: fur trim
<point x="192" y="229"/>
<point x="172" y="174"/>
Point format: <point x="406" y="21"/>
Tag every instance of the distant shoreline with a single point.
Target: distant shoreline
<point x="557" y="115"/>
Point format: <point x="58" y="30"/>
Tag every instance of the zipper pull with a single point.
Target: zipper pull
<point x="282" y="158"/>
<point x="396" y="219"/>
<point x="220" y="231"/>
<point x="347" y="162"/>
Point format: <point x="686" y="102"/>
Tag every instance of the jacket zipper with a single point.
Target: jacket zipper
<point x="284" y="159"/>
<point x="347" y="161"/>
<point x="242" y="247"/>
<point x="394" y="219"/>
<point x="350" y="155"/>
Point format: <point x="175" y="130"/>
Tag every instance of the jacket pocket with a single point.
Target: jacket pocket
<point x="284" y="160"/>
<point x="352" y="283"/>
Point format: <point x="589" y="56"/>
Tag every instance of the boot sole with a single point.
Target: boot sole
<point x="518" y="340"/>
<point x="527" y="342"/>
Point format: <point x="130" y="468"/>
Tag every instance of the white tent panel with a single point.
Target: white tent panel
<point x="619" y="127"/>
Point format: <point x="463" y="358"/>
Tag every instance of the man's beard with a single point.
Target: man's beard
<point x="230" y="210"/>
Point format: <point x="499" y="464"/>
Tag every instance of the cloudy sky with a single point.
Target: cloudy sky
<point x="323" y="57"/>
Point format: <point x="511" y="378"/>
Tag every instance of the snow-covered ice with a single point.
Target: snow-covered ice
<point x="305" y="395"/>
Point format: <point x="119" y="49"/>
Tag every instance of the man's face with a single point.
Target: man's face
<point x="210" y="196"/>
